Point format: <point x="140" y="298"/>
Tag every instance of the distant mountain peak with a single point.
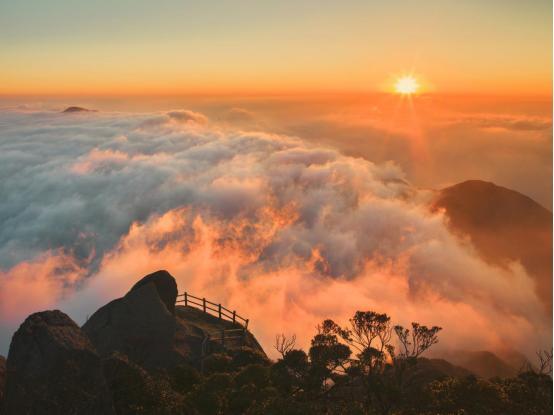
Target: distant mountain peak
<point x="77" y="109"/>
<point x="504" y="225"/>
<point x="482" y="363"/>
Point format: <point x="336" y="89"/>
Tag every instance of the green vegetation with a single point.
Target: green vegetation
<point x="368" y="367"/>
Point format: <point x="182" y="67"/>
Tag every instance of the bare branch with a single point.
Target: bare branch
<point x="284" y="344"/>
<point x="545" y="362"/>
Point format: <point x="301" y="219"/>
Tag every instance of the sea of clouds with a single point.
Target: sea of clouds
<point x="286" y="232"/>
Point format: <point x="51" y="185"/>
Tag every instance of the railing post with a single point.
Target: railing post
<point x="194" y="302"/>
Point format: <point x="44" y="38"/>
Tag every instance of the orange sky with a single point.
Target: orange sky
<point x="57" y="47"/>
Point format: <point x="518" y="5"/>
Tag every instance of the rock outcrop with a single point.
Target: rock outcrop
<point x="165" y="285"/>
<point x="122" y="358"/>
<point x="52" y="368"/>
<point x="146" y="326"/>
<point x="140" y="324"/>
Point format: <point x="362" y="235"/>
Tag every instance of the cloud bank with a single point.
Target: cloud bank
<point x="435" y="141"/>
<point x="286" y="232"/>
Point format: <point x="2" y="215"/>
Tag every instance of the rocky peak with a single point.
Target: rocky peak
<point x="139" y="325"/>
<point x="165" y="286"/>
<point x="52" y="367"/>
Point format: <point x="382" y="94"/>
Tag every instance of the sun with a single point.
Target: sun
<point x="406" y="85"/>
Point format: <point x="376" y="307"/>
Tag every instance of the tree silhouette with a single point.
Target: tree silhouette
<point x="545" y="362"/>
<point x="284" y="344"/>
<point x="327" y="351"/>
<point x="416" y="341"/>
<point x="368" y="329"/>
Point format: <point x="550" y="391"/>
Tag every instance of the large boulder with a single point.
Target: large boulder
<point x="165" y="285"/>
<point x="141" y="324"/>
<point x="52" y="368"/>
<point x="146" y="326"/>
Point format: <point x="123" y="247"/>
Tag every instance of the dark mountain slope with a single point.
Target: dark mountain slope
<point x="482" y="363"/>
<point x="504" y="226"/>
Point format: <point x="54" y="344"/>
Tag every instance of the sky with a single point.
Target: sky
<point x="257" y="150"/>
<point x="140" y="47"/>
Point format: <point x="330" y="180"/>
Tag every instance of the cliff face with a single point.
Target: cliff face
<point x="121" y="356"/>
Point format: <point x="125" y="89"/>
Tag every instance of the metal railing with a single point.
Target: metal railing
<point x="212" y="308"/>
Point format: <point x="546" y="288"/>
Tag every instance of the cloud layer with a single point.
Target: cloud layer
<point x="285" y="232"/>
<point x="436" y="140"/>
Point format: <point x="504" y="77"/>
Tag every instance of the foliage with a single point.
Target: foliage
<point x="217" y="363"/>
<point x="184" y="377"/>
<point x="134" y="391"/>
<point x="246" y="356"/>
<point x="367" y="367"/>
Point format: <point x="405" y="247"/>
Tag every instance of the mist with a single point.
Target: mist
<point x="284" y="230"/>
